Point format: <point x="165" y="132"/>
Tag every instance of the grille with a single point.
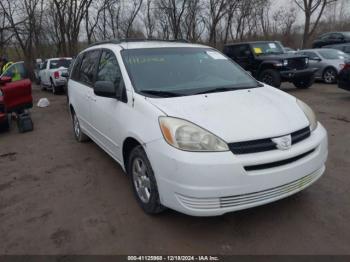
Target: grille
<point x="262" y="145"/>
<point x="286" y="189"/>
<point x="297" y="63"/>
<point x="278" y="163"/>
<point x="251" y="198"/>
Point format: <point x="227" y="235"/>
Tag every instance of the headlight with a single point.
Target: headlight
<point x="309" y="114"/>
<point x="0" y="92"/>
<point x="285" y="62"/>
<point x="190" y="137"/>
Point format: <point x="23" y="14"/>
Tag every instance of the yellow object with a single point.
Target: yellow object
<point x="257" y="50"/>
<point x="16" y="75"/>
<point x="6" y="66"/>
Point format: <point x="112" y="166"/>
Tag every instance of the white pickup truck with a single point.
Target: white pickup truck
<point x="50" y="75"/>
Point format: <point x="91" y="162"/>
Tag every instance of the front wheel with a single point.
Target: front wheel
<point x="270" y="77"/>
<point x="330" y="76"/>
<point x="304" y="83"/>
<point x="143" y="181"/>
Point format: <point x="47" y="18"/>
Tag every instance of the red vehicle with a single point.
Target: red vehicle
<point x="15" y="92"/>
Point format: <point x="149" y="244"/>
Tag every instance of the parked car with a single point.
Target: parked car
<point x="329" y="62"/>
<point x="193" y="131"/>
<point x="15" y="92"/>
<point x="343" y="47"/>
<point x="51" y="74"/>
<point x="331" y="39"/>
<point x="344" y="77"/>
<point x="269" y="63"/>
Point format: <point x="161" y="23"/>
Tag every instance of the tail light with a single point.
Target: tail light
<point x="347" y="66"/>
<point x="56" y="74"/>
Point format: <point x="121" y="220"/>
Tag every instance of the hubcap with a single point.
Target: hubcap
<point x="329" y="76"/>
<point x="76" y="126"/>
<point x="141" y="180"/>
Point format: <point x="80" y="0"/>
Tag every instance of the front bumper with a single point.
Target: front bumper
<point x="210" y="184"/>
<point x="291" y="75"/>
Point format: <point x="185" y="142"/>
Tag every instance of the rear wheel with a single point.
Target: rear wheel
<point x="53" y="87"/>
<point x="330" y="76"/>
<point x="78" y="133"/>
<point x="270" y="77"/>
<point x="143" y="181"/>
<point x="5" y="125"/>
<point x="42" y="86"/>
<point x="304" y="83"/>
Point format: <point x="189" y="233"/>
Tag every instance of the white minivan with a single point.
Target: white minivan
<point x="192" y="130"/>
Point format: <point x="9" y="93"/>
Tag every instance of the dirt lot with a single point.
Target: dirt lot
<point x="61" y="197"/>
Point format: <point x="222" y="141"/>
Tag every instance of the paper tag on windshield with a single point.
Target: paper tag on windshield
<point x="216" y="55"/>
<point x="272" y="45"/>
<point x="257" y="50"/>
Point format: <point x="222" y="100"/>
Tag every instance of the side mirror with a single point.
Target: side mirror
<point x="5" y="79"/>
<point x="108" y="89"/>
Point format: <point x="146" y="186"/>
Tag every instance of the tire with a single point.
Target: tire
<point x="304" y="83"/>
<point x="42" y="86"/>
<point x="330" y="75"/>
<point x="53" y="88"/>
<point x="143" y="181"/>
<point x="78" y="133"/>
<point x="5" y="126"/>
<point x="270" y="77"/>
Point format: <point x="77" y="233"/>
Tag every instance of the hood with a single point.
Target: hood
<point x="240" y="115"/>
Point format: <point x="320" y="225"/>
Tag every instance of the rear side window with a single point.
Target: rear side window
<point x="108" y="69"/>
<point x="89" y="67"/>
<point x="76" y="68"/>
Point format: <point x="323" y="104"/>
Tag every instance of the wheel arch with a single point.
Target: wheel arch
<point x="329" y="67"/>
<point x="264" y="66"/>
<point x="128" y="145"/>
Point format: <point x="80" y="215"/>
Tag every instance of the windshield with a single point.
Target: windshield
<point x="333" y="54"/>
<point x="266" y="48"/>
<point x="184" y="71"/>
<point x="54" y="64"/>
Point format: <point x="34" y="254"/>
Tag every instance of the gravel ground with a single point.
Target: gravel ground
<point x="61" y="197"/>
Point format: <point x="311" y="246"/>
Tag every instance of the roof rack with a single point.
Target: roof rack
<point x="127" y="40"/>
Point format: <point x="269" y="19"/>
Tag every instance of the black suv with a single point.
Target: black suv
<point x="331" y="38"/>
<point x="269" y="63"/>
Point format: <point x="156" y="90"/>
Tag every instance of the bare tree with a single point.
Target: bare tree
<point x="133" y="9"/>
<point x="70" y="14"/>
<point x="24" y="21"/>
<point x="311" y="8"/>
<point x="173" y="11"/>
<point x="149" y="19"/>
<point x="193" y="21"/>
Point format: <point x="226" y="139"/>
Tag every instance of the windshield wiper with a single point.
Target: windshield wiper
<point x="160" y="93"/>
<point x="222" y="89"/>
